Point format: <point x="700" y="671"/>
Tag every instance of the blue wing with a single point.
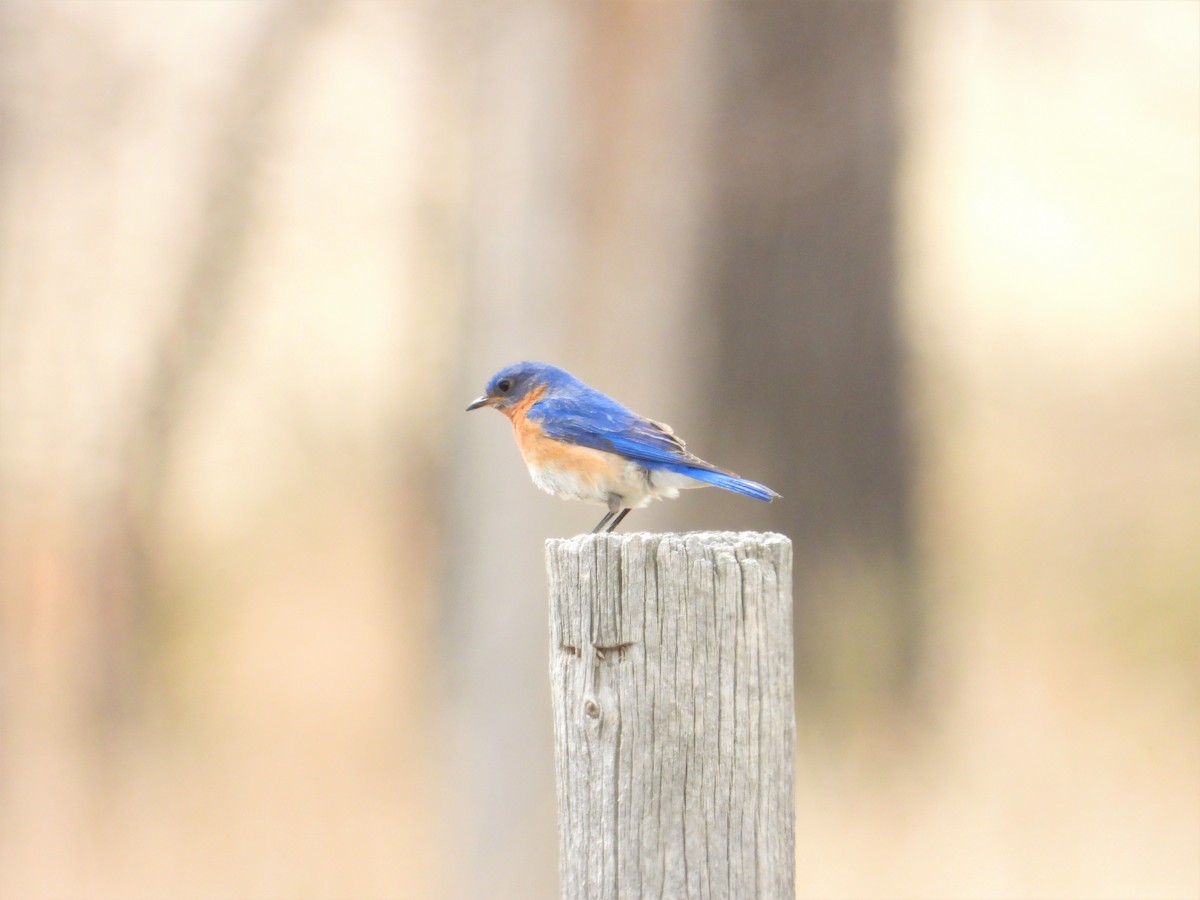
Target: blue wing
<point x="590" y="419"/>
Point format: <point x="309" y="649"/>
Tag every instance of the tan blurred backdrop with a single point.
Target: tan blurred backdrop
<point x="272" y="609"/>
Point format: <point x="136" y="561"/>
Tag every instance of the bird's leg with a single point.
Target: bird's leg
<point x="608" y="515"/>
<point x="617" y="520"/>
<point x="614" y="507"/>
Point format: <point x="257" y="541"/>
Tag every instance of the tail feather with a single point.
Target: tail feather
<point x="729" y="482"/>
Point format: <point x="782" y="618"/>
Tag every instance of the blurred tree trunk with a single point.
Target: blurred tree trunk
<point x="807" y="367"/>
<point x="586" y="183"/>
<point x="129" y="582"/>
<point x="520" y="241"/>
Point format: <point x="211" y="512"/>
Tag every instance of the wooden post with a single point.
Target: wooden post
<point x="671" y="673"/>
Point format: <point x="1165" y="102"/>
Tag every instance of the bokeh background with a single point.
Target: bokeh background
<point x="273" y="618"/>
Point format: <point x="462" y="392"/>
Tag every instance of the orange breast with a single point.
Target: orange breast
<point x="541" y="452"/>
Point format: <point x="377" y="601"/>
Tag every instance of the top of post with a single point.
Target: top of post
<point x="713" y="539"/>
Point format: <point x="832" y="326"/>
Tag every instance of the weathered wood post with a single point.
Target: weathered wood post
<point x="671" y="674"/>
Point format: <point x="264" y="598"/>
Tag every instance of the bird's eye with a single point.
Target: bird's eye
<point x="504" y="385"/>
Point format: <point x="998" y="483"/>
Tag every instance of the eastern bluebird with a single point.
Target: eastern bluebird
<point x="581" y="445"/>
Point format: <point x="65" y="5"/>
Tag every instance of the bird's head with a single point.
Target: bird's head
<point x="512" y="384"/>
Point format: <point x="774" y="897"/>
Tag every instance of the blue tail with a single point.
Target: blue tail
<point x="729" y="482"/>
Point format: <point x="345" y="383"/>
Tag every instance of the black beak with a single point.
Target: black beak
<point x="482" y="401"/>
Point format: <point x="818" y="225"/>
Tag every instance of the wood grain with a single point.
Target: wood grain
<point x="671" y="675"/>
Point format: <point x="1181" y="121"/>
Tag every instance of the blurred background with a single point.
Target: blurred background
<point x="273" y="617"/>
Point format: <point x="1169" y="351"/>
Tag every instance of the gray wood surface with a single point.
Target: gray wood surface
<point x="671" y="675"/>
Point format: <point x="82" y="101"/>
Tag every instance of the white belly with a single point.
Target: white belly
<point x="634" y="487"/>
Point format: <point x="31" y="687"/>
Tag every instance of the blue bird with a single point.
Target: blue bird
<point x="582" y="445"/>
